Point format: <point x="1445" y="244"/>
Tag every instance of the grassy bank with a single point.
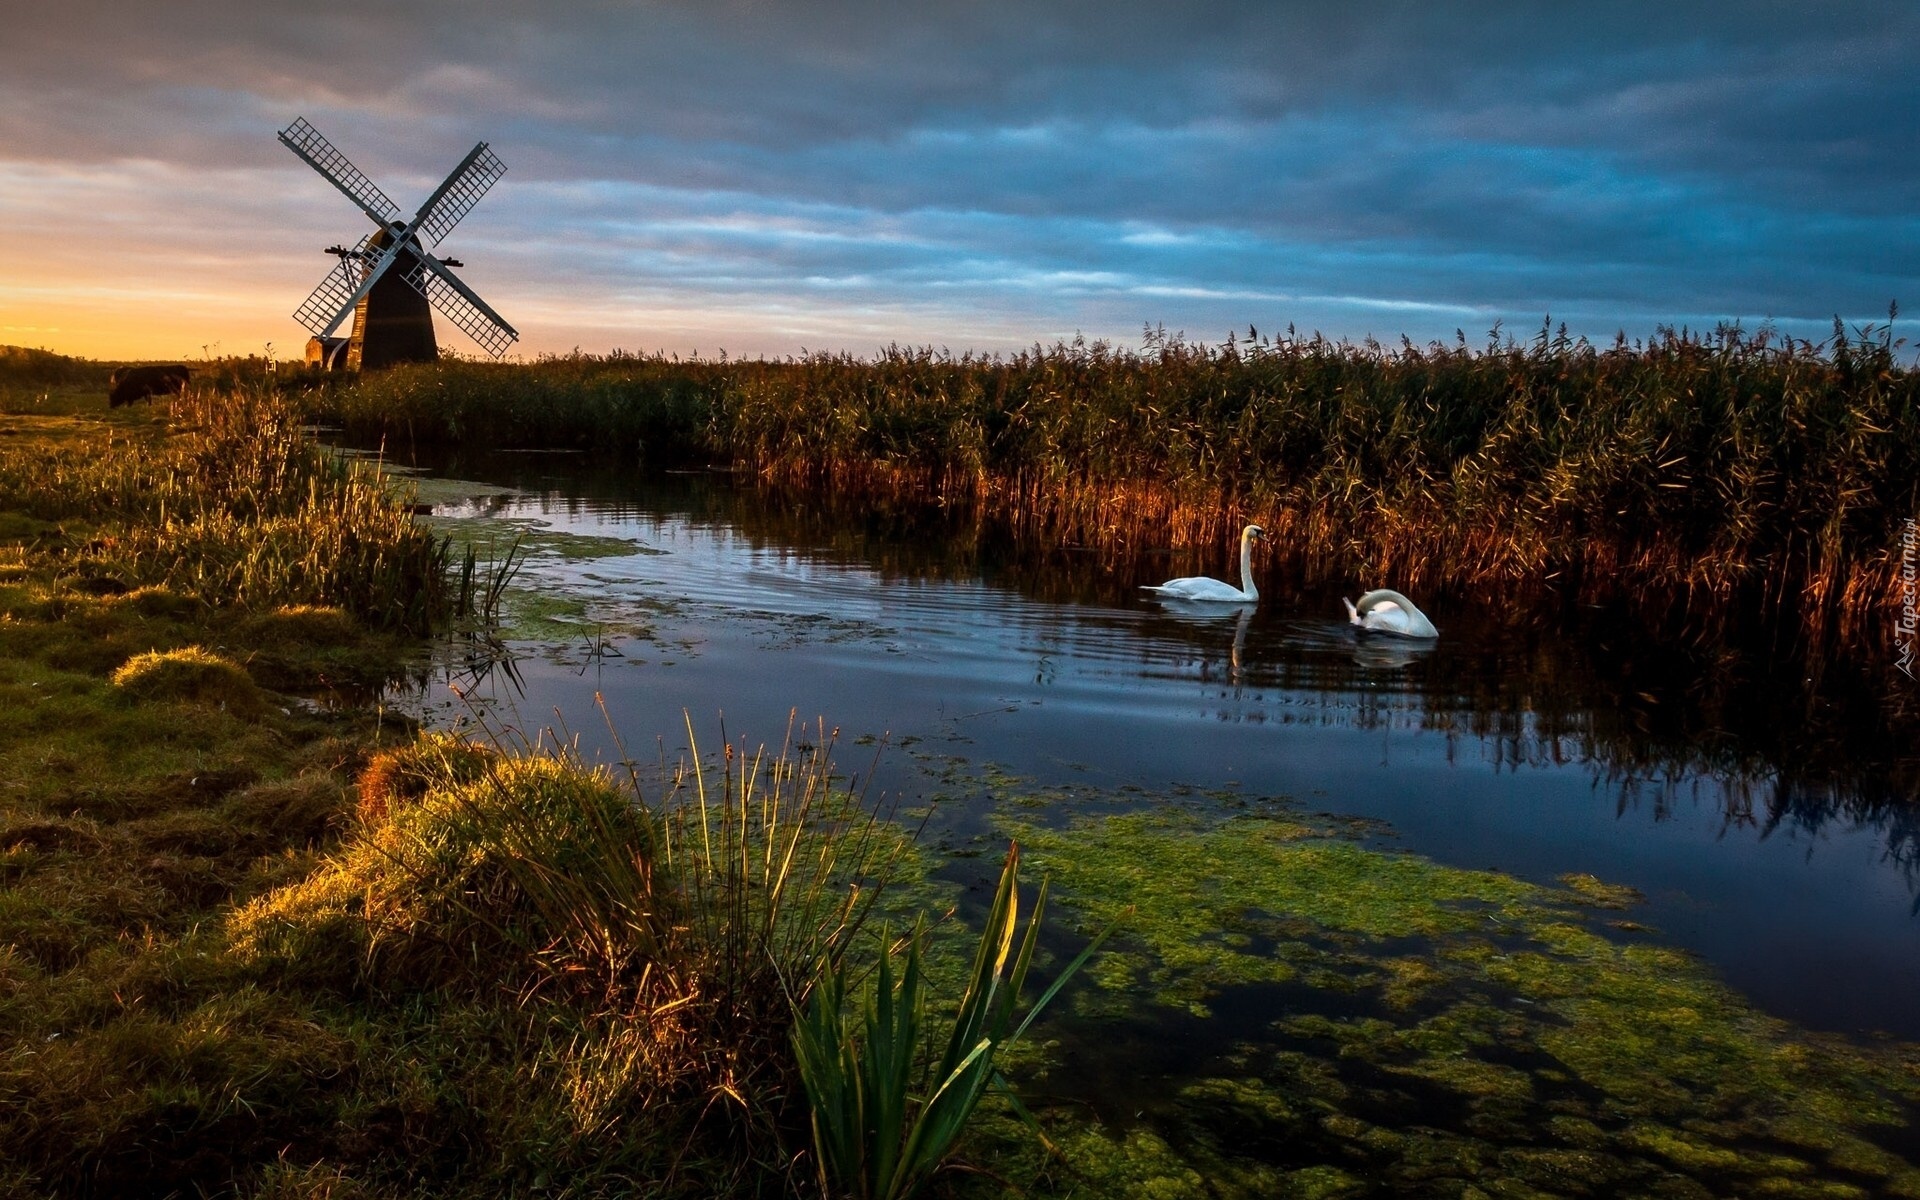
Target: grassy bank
<point x="1717" y="480"/>
<point x="256" y="939"/>
<point x="164" y="598"/>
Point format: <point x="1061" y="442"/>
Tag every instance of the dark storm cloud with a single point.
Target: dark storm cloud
<point x="1626" y="162"/>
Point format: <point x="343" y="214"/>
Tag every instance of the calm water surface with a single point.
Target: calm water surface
<point x="1529" y="750"/>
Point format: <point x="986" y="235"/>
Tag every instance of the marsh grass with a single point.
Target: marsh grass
<point x="147" y="784"/>
<point x="1717" y="480"/>
<point x="235" y="506"/>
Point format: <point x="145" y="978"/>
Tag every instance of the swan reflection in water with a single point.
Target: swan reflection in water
<point x="1213" y="615"/>
<point x="1329" y="641"/>
<point x="1324" y="637"/>
<point x="1382" y="654"/>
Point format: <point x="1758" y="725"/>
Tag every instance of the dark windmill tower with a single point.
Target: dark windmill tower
<point x="388" y="280"/>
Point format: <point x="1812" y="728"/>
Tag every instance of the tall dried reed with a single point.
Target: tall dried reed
<point x="1727" y="476"/>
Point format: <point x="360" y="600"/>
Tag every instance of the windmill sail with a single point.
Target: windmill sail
<point x="320" y="312"/>
<point x="457" y="303"/>
<point x="328" y="305"/>
<point x="304" y="140"/>
<point x="462" y="190"/>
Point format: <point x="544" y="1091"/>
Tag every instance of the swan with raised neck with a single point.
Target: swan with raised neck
<point x="1201" y="587"/>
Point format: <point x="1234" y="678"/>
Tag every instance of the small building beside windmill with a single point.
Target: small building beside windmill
<point x="327" y="353"/>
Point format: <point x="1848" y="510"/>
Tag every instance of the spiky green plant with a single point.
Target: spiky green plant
<point x="885" y="1116"/>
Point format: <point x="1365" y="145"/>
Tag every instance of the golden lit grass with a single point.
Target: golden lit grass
<point x="401" y="774"/>
<point x="193" y="675"/>
<point x="228" y="502"/>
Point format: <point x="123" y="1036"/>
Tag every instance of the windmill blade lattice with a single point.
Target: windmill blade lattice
<point x="304" y="140"/>
<point x="467" y="311"/>
<point x="462" y="190"/>
<point x="320" y="311"/>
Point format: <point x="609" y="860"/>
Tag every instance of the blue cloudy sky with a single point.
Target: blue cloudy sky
<point x="765" y="178"/>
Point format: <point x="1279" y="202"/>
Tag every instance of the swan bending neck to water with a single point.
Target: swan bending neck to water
<point x="1385" y="611"/>
<point x="1199" y="587"/>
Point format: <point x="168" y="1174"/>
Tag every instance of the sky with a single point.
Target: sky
<point x="770" y="179"/>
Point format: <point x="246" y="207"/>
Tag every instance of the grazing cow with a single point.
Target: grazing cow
<point x="138" y="383"/>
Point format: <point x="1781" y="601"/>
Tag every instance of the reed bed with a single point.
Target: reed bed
<point x="645" y="406"/>
<point x="235" y="506"/>
<point x="1721" y="478"/>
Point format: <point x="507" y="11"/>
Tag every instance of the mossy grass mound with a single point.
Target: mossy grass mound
<point x="461" y="883"/>
<point x="193" y="675"/>
<point x="322" y="651"/>
<point x="154" y="600"/>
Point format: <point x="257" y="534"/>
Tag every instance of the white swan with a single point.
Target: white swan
<point x="1199" y="587"/>
<point x="1385" y="611"/>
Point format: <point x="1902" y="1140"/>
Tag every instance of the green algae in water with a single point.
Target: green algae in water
<point x="534" y="537"/>
<point x="1427" y="1031"/>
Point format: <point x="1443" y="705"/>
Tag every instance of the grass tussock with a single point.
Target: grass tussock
<point x="1724" y="476"/>
<point x="431" y="895"/>
<point x="193" y="675"/>
<point x="650" y="953"/>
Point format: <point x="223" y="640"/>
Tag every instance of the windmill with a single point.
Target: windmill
<point x="388" y="280"/>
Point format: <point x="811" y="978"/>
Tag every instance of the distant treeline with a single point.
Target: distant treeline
<point x="24" y="368"/>
<point x="1722" y="472"/>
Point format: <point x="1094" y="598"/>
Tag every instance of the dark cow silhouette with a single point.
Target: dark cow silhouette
<point x="137" y="383"/>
